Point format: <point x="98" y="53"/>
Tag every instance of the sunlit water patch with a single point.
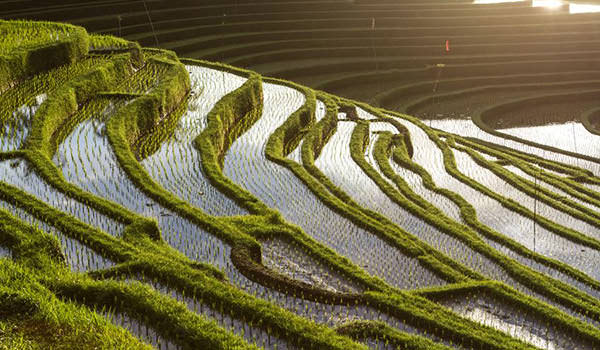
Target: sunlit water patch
<point x="480" y="2"/>
<point x="491" y="212"/>
<point x="246" y="164"/>
<point x="177" y="164"/>
<point x="18" y="173"/>
<point x="468" y="129"/>
<point x="532" y="329"/>
<point x="571" y="136"/>
<point x="515" y="170"/>
<point x="5" y="252"/>
<point x="551" y="4"/>
<point x="575" y="8"/>
<point x="336" y="162"/>
<point x="484" y="176"/>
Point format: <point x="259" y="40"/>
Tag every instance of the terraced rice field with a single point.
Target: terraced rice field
<point x="153" y="202"/>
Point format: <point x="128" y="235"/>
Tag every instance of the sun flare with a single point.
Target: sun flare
<point x="583" y="8"/>
<point x="494" y="1"/>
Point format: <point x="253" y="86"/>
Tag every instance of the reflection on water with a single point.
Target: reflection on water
<point x="574" y="8"/>
<point x="547" y="3"/>
<point x="494" y="1"/>
<point x="518" y="323"/>
<point x="570" y="136"/>
<point x="291" y="260"/>
<point x="583" y="8"/>
<point x="5" y="252"/>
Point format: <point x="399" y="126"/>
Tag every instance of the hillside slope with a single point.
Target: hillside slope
<point x="195" y="205"/>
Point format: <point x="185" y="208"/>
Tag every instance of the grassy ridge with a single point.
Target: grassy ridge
<point x="38" y="52"/>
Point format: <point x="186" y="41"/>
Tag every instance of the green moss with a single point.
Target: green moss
<point x="30" y="48"/>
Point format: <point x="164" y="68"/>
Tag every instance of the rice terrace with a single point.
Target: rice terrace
<point x="300" y="174"/>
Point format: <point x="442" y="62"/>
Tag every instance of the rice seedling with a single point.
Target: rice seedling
<point x="490" y="180"/>
<point x="336" y="162"/>
<point x="291" y="260"/>
<point x="519" y="324"/>
<point x="246" y="164"/>
<point x="140" y="330"/>
<point x="467" y="128"/>
<point x="493" y="214"/>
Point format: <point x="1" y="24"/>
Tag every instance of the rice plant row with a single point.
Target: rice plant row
<point x="27" y="92"/>
<point x="321" y="110"/>
<point x="19" y="173"/>
<point x="177" y="164"/>
<point x="139" y="329"/>
<point x="329" y="315"/>
<point x="519" y="324"/>
<point x="467" y="128"/>
<point x="336" y="162"/>
<point x="246" y="164"/>
<point x="515" y="170"/>
<point x="484" y="176"/>
<point x="493" y="214"/>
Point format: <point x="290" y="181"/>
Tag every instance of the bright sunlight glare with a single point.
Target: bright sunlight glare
<point x="583" y="8"/>
<point x="547" y="3"/>
<point x="494" y="1"/>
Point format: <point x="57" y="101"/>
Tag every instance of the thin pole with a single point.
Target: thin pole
<point x="535" y="207"/>
<point x="375" y="54"/>
<point x="223" y="48"/>
<point x="151" y="24"/>
<point x="440" y="68"/>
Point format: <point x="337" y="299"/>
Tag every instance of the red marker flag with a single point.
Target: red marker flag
<point x="447" y="45"/>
